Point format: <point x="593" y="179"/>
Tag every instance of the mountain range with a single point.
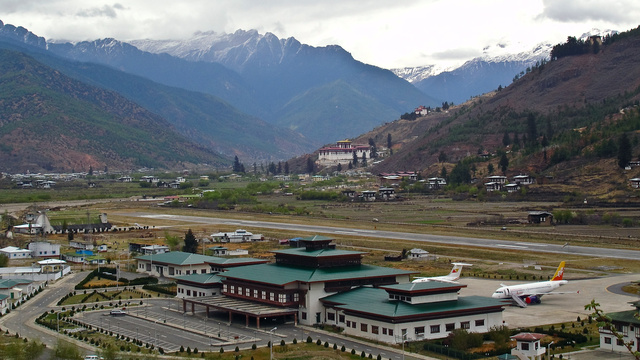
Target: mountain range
<point x="247" y="94"/>
<point x="563" y="121"/>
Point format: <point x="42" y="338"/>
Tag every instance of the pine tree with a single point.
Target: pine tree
<point x="190" y="243"/>
<point x="624" y="151"/>
<point x="310" y="166"/>
<point x="364" y="159"/>
<point x="506" y="139"/>
<point x="504" y="163"/>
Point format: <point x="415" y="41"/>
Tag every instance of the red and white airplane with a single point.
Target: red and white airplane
<point x="531" y="293"/>
<point x="452" y="277"/>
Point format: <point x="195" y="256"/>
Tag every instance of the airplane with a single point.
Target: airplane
<point x="531" y="293"/>
<point x="452" y="277"/>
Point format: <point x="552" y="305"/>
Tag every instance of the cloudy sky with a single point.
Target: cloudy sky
<point x="385" y="33"/>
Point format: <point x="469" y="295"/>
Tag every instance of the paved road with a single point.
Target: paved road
<point x="457" y="240"/>
<point x="22" y="320"/>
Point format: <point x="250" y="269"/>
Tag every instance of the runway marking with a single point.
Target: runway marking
<point x="526" y="244"/>
<point x="346" y="232"/>
<point x="512" y="246"/>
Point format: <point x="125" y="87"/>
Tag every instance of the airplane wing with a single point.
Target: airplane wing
<point x="560" y="293"/>
<point x="426" y="279"/>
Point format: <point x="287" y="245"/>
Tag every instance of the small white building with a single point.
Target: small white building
<point x="240" y="235"/>
<point x="154" y="249"/>
<point x="44" y="249"/>
<point x="437" y="182"/>
<point x="17" y="289"/>
<point x="13" y="253"/>
<point x="528" y="345"/>
<point x="81" y="244"/>
<point x="524" y="179"/>
<point x="418" y="254"/>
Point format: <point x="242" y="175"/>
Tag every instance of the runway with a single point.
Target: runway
<point x="456" y="240"/>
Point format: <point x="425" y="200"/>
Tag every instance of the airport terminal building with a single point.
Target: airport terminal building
<point x="317" y="283"/>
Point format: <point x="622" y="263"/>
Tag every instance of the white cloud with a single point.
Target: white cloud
<point x="379" y="32"/>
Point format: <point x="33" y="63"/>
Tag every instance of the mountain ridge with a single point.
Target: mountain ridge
<point x="64" y="124"/>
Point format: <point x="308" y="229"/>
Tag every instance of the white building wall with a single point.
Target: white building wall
<point x="313" y="305"/>
<point x="186" y="291"/>
<point x="170" y="271"/>
<point x="609" y="342"/>
<point x="44" y="249"/>
<point x="490" y="320"/>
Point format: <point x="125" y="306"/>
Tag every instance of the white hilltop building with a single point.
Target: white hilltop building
<point x="36" y="224"/>
<point x="342" y="153"/>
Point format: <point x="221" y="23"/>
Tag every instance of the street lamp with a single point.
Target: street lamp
<point x="549" y="349"/>
<point x="404" y="337"/>
<point x="271" y="343"/>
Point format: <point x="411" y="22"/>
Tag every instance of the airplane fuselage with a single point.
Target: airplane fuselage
<point x="525" y="290"/>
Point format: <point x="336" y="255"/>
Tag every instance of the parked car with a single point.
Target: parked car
<point x="117" y="312"/>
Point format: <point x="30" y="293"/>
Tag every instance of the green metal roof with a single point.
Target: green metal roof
<point x="625" y="317"/>
<point x="276" y="274"/>
<point x="376" y="302"/>
<point x="317" y="253"/>
<point x="316" y="238"/>
<point x="185" y="258"/>
<point x="9" y="283"/>
<point x="235" y="261"/>
<point x="200" y="278"/>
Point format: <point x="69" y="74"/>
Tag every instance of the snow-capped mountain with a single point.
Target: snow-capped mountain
<point x="497" y="66"/>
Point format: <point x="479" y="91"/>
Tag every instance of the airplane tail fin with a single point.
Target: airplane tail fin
<point x="456" y="271"/>
<point x="559" y="273"/>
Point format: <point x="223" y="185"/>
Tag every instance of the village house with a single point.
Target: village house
<point x="387" y="193"/>
<point x="150" y="179"/>
<point x="493" y="186"/>
<point x="513" y="187"/>
<point x="14" y="253"/>
<point x="540" y="217"/>
<point x="419" y="254"/>
<point x="497" y="179"/>
<point x="524" y="179"/>
<point x="368" y="195"/>
<point x="635" y="183"/>
<point x="437" y="182"/>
